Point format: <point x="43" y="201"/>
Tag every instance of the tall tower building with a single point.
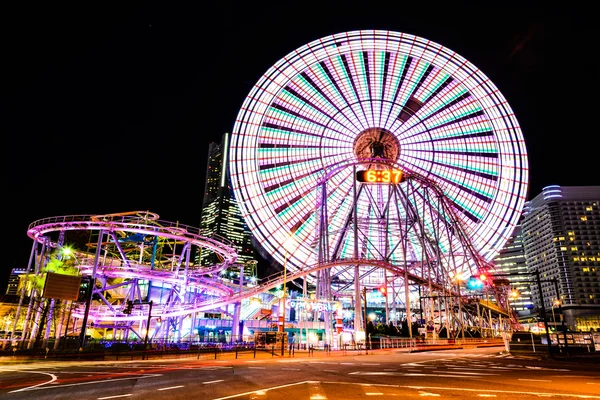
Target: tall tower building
<point x="220" y="213"/>
<point x="561" y="236"/>
<point x="511" y="261"/>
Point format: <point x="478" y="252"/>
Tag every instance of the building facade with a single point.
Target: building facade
<point x="12" y="288"/>
<point x="511" y="262"/>
<point x="221" y="216"/>
<point x="561" y="237"/>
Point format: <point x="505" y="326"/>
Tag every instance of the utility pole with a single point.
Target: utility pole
<point x="148" y="324"/>
<point x="543" y="311"/>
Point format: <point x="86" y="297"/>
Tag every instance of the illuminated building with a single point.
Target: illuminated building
<point x="561" y="236"/>
<point x="13" y="280"/>
<point x="220" y="213"/>
<point x="511" y="261"/>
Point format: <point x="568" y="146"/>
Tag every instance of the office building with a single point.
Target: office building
<point x="561" y="237"/>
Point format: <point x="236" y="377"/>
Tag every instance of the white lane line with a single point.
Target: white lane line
<point x="92" y="382"/>
<point x="54" y="377"/>
<point x="239" y="395"/>
<point x="171" y="387"/>
<point x="257" y="367"/>
<point x="209" y="382"/>
<point x="370" y="364"/>
<point x="290" y="369"/>
<point x="427" y="394"/>
<point x="374" y="394"/>
<point x="536" y="380"/>
<point x="593" y="383"/>
<point x="115" y="397"/>
<point x="486" y="395"/>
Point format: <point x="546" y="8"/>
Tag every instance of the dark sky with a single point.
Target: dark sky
<point x="110" y="108"/>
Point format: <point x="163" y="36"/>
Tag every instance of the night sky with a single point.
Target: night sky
<point x="111" y="108"/>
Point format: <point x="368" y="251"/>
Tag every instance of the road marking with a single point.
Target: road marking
<point x="374" y="393"/>
<point x="171" y="387"/>
<point x="486" y="395"/>
<point x="370" y="364"/>
<point x="290" y="369"/>
<point x="90" y="383"/>
<point x="209" y="382"/>
<point x="33" y="387"/>
<point x="114" y="397"/>
<point x="592" y="383"/>
<point x="257" y="367"/>
<point x="427" y="394"/>
<point x="536" y="380"/>
<point x="238" y="395"/>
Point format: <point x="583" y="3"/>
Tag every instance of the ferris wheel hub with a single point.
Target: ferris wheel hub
<point x="377" y="143"/>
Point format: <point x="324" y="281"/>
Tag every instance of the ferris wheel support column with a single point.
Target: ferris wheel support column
<point x="358" y="320"/>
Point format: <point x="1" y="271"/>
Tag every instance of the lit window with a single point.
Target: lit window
<point x="574" y="248"/>
<point x="584" y="218"/>
<point x="585" y="269"/>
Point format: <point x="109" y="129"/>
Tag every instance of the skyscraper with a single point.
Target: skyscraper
<point x="220" y="213"/>
<point x="561" y="237"/>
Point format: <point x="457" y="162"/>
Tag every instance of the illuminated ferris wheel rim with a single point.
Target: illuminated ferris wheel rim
<point x="451" y="124"/>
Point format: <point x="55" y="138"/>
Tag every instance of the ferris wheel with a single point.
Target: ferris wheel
<point x="357" y="99"/>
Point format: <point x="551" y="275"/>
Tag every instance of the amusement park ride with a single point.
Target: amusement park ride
<point x="362" y="160"/>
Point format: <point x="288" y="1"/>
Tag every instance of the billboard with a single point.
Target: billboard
<point x="59" y="286"/>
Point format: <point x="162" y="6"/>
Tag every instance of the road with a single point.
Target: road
<point x="450" y="374"/>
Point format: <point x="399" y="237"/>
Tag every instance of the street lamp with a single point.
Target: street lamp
<point x="289" y="241"/>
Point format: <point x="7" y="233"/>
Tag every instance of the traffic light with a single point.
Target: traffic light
<point x="128" y="308"/>
<point x="383" y="290"/>
<point x="475" y="282"/>
<point x="85" y="286"/>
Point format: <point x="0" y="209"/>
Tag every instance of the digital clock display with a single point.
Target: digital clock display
<point x="379" y="176"/>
